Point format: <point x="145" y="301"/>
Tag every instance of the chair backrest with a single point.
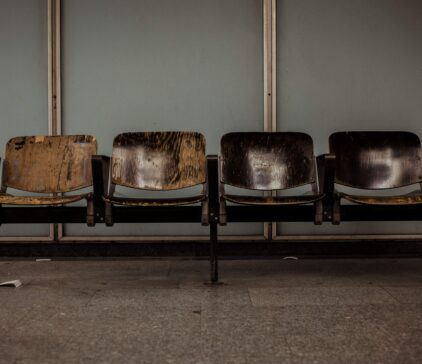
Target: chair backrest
<point x="376" y="159"/>
<point x="49" y="164"/>
<point x="159" y="160"/>
<point x="267" y="161"/>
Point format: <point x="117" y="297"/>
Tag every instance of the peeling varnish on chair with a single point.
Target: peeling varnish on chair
<point x="47" y="164"/>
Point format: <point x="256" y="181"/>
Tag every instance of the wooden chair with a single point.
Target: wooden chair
<point x="157" y="161"/>
<point x="49" y="165"/>
<point x="262" y="161"/>
<point x="376" y="160"/>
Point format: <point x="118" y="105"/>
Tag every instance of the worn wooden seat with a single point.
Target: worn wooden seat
<point x="128" y="201"/>
<point x="376" y="160"/>
<point x="7" y="199"/>
<point x="51" y="165"/>
<point x="272" y="200"/>
<point x="268" y="162"/>
<point x="157" y="161"/>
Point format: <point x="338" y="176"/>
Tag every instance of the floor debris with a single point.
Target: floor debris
<point x="16" y="283"/>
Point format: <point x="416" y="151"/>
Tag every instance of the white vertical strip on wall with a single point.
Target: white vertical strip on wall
<point x="270" y="105"/>
<point x="54" y="85"/>
<point x="274" y="65"/>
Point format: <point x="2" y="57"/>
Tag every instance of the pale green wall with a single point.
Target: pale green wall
<point x="162" y="65"/>
<point x="349" y="65"/>
<point x="197" y="64"/>
<point x="23" y="80"/>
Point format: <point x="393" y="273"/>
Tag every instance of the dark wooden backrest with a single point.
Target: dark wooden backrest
<point x="267" y="161"/>
<point x="49" y="164"/>
<point x="159" y="160"/>
<point x="376" y="159"/>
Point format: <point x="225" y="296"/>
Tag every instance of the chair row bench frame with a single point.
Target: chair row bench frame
<point x="97" y="212"/>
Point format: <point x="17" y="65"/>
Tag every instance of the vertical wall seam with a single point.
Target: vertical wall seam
<point x="270" y="105"/>
<point x="54" y="85"/>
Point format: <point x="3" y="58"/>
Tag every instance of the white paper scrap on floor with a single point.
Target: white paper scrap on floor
<point x="15" y="283"/>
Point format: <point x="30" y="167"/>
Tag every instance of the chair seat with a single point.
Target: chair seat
<point x="273" y="200"/>
<point x="127" y="201"/>
<point x="7" y="199"/>
<point x="414" y="198"/>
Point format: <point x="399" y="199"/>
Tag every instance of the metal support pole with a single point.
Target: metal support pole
<point x="214" y="252"/>
<point x="213" y="212"/>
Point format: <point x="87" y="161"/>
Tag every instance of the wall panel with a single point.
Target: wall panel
<point x="349" y="65"/>
<point x="162" y="65"/>
<point x="23" y="80"/>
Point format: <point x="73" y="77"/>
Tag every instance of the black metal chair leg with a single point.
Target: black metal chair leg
<point x="214" y="252"/>
<point x="109" y="214"/>
<point x="90" y="212"/>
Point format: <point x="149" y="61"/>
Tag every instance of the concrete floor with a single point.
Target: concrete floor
<point x="155" y="311"/>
